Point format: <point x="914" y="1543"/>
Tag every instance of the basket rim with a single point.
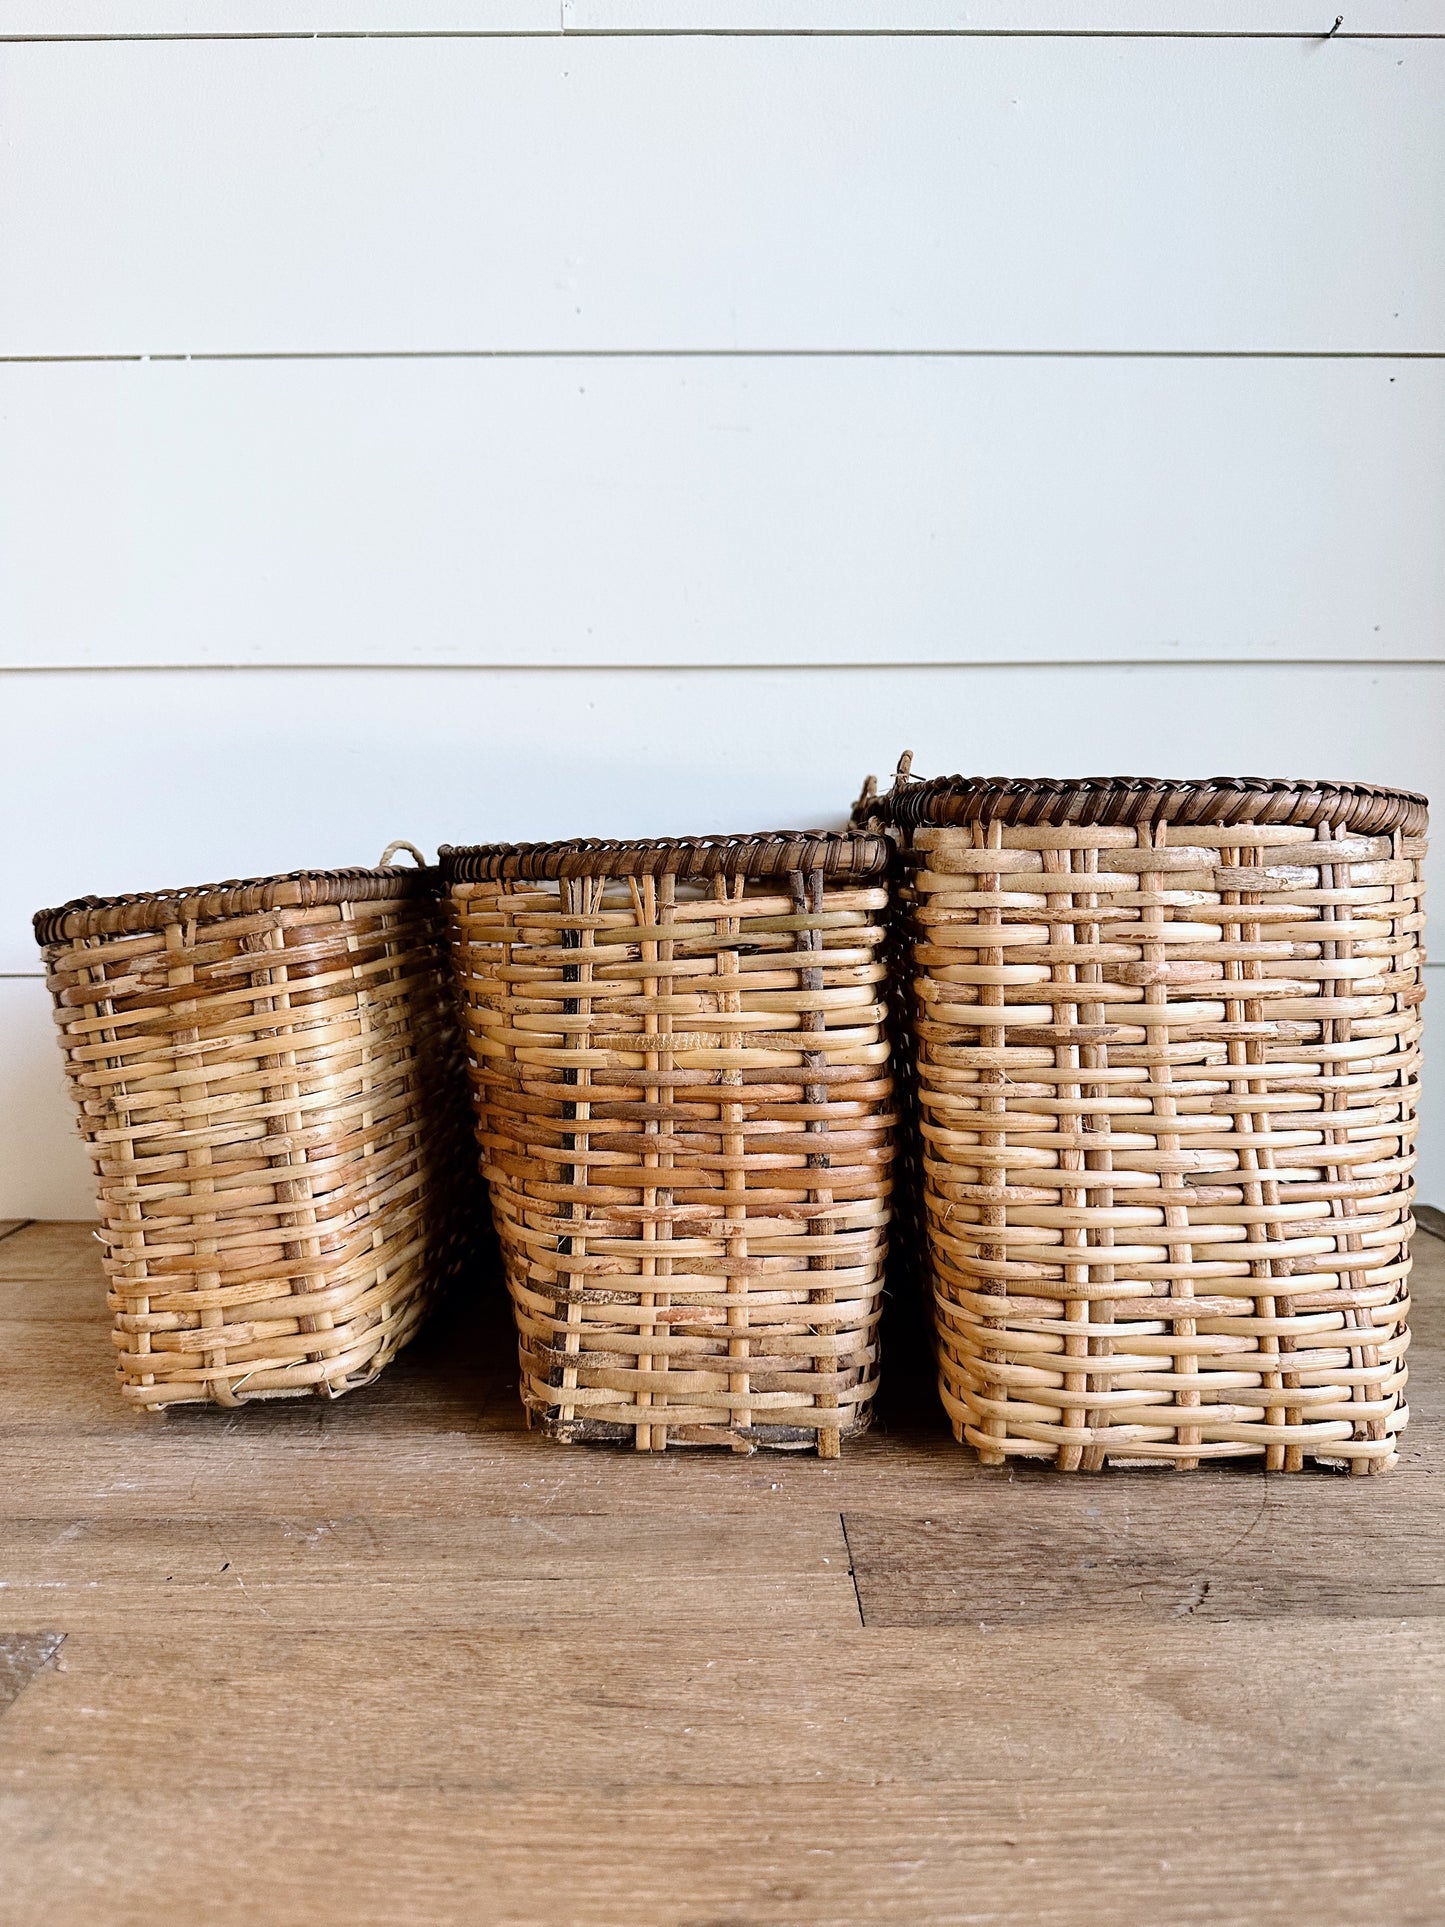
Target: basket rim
<point x="836" y="853"/>
<point x="1021" y="801"/>
<point x="239" y="896"/>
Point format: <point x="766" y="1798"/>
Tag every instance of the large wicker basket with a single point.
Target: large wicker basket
<point x="1168" y="1073"/>
<point x="681" y="1083"/>
<point x="268" y="1077"/>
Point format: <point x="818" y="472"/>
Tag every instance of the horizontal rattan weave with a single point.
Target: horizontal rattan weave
<point x="267" y="1077"/>
<point x="682" y="1095"/>
<point x="1167" y="1044"/>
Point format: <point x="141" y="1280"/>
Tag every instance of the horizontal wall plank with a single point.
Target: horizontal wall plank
<point x="41" y="1155"/>
<point x="116" y="19"/>
<point x="135" y="780"/>
<point x="666" y="512"/>
<point x="119" y="19"/>
<point x="723" y="192"/>
<point x="997" y="16"/>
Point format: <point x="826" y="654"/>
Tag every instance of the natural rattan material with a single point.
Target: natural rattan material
<point x="267" y="1077"/>
<point x="1168" y="1070"/>
<point x="682" y="1094"/>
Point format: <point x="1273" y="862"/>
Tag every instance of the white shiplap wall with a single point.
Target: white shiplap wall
<point x="419" y="419"/>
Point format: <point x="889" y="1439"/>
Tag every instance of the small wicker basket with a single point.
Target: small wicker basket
<point x="1167" y="1054"/>
<point x="268" y="1077"/>
<point x="681" y="1083"/>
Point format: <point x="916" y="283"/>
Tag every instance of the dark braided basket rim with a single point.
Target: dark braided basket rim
<point x="241" y="896"/>
<point x="836" y="853"/>
<point x="1368" y="809"/>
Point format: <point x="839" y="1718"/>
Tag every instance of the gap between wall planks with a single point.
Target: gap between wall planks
<point x="680" y="1638"/>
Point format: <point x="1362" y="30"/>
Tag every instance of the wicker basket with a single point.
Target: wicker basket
<point x="1168" y="1073"/>
<point x="681" y="1083"/>
<point x="267" y="1074"/>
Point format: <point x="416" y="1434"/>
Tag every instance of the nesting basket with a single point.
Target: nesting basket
<point x="1167" y="1059"/>
<point x="681" y="1084"/>
<point x="268" y="1077"/>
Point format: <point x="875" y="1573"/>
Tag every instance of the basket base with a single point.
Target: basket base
<point x="739" y="1439"/>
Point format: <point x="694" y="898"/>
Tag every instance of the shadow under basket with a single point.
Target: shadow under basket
<point x="1167" y="1063"/>
<point x="680" y="1076"/>
<point x="268" y="1077"/>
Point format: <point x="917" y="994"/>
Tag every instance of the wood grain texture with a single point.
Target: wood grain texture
<point x="823" y="511"/>
<point x="233" y="1707"/>
<point x="1242" y="1551"/>
<point x="439" y="1574"/>
<point x="380" y="1636"/>
<point x="819" y="1855"/>
<point x="723" y="192"/>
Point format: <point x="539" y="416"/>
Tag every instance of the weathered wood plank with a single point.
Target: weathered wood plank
<point x="681" y="1570"/>
<point x="36" y="1248"/>
<point x="61" y="1380"/>
<point x="1034" y="1554"/>
<point x="51" y="1273"/>
<point x="236" y="1707"/>
<point x="818" y="1855"/>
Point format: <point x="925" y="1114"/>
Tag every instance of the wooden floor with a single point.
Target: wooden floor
<point x="394" y="1660"/>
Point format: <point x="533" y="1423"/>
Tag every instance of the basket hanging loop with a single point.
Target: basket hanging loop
<point x="401" y="844"/>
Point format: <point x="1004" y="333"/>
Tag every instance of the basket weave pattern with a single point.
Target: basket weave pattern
<point x="682" y="1095"/>
<point x="261" y="1072"/>
<point x="1168" y="1079"/>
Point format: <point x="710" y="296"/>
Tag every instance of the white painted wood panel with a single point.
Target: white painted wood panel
<point x="676" y="512"/>
<point x="997" y="16"/>
<point x="59" y="19"/>
<point x="723" y="192"/>
<point x="134" y="780"/>
<point x="1430" y="1145"/>
<point x="116" y="19"/>
<point x="44" y="1168"/>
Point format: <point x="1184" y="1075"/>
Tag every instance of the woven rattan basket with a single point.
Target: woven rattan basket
<point x="268" y="1077"/>
<point x="681" y="1083"/>
<point x="1167" y="1056"/>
